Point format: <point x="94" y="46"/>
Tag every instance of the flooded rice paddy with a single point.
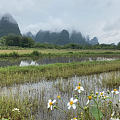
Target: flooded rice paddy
<point x="50" y="60"/>
<point x="45" y="90"/>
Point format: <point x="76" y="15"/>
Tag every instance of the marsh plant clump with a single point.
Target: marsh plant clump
<point x="16" y="108"/>
<point x="29" y="74"/>
<point x="33" y="106"/>
<point x="99" y="106"/>
<point x="60" y="92"/>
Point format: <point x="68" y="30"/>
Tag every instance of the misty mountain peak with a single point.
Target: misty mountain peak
<point x="8" y="25"/>
<point x="8" y="18"/>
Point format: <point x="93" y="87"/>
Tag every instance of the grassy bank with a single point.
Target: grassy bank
<point x="16" y="75"/>
<point x="30" y="50"/>
<point x="56" y="52"/>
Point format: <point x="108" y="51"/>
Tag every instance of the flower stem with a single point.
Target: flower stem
<point x="60" y="109"/>
<point x="97" y="108"/>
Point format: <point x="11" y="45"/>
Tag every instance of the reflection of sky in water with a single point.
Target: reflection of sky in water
<point x="26" y="63"/>
<point x="50" y="60"/>
<point x="45" y="90"/>
<point x="64" y="60"/>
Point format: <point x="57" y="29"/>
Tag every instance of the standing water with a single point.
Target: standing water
<point x="46" y="90"/>
<point x="50" y="60"/>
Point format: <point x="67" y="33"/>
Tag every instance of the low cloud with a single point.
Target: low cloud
<point x="111" y="37"/>
<point x="87" y="16"/>
<point x="112" y="26"/>
<point x="52" y="24"/>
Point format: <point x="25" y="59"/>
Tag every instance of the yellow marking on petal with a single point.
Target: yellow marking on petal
<point x="71" y="102"/>
<point x="78" y="87"/>
<point x="115" y="90"/>
<point x="105" y="96"/>
<point x="58" y="97"/>
<point x="89" y="97"/>
<point x="50" y="103"/>
<point x="101" y="93"/>
<point x="74" y="118"/>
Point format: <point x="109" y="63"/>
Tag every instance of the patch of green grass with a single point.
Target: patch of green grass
<point x="56" y="53"/>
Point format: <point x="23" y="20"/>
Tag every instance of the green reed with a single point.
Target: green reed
<point x="16" y="75"/>
<point x="17" y="108"/>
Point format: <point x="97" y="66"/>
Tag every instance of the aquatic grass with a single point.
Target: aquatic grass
<point x="45" y="90"/>
<point x="16" y="75"/>
<point x="16" y="108"/>
<point x="99" y="105"/>
<point x="111" y="81"/>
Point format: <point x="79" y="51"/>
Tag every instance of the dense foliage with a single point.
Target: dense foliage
<point x="78" y="46"/>
<point x="16" y="40"/>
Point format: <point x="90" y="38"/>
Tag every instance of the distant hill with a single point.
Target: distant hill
<point x="94" y="41"/>
<point x="78" y="38"/>
<point x="8" y="25"/>
<point x="29" y="34"/>
<point x="62" y="38"/>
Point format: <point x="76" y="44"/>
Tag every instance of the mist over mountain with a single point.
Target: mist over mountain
<point x="78" y="38"/>
<point x="8" y="25"/>
<point x="61" y="38"/>
<point x="29" y="34"/>
<point x="93" y="41"/>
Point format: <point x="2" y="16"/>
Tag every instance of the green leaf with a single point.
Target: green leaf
<point x="94" y="110"/>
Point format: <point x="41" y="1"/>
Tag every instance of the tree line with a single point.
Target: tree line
<point x="17" y="40"/>
<point x="27" y="42"/>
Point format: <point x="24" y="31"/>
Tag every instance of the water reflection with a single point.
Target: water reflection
<point x="27" y="63"/>
<point x="45" y="90"/>
<point x="64" y="60"/>
<point x="50" y="60"/>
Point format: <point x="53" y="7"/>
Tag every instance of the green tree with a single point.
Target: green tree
<point x="27" y="42"/>
<point x="12" y="40"/>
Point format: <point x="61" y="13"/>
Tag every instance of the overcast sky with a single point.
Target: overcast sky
<point x="99" y="18"/>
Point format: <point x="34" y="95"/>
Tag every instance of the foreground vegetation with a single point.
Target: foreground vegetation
<point x="98" y="106"/>
<point x="16" y="108"/>
<point x="16" y="75"/>
<point x="112" y="80"/>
